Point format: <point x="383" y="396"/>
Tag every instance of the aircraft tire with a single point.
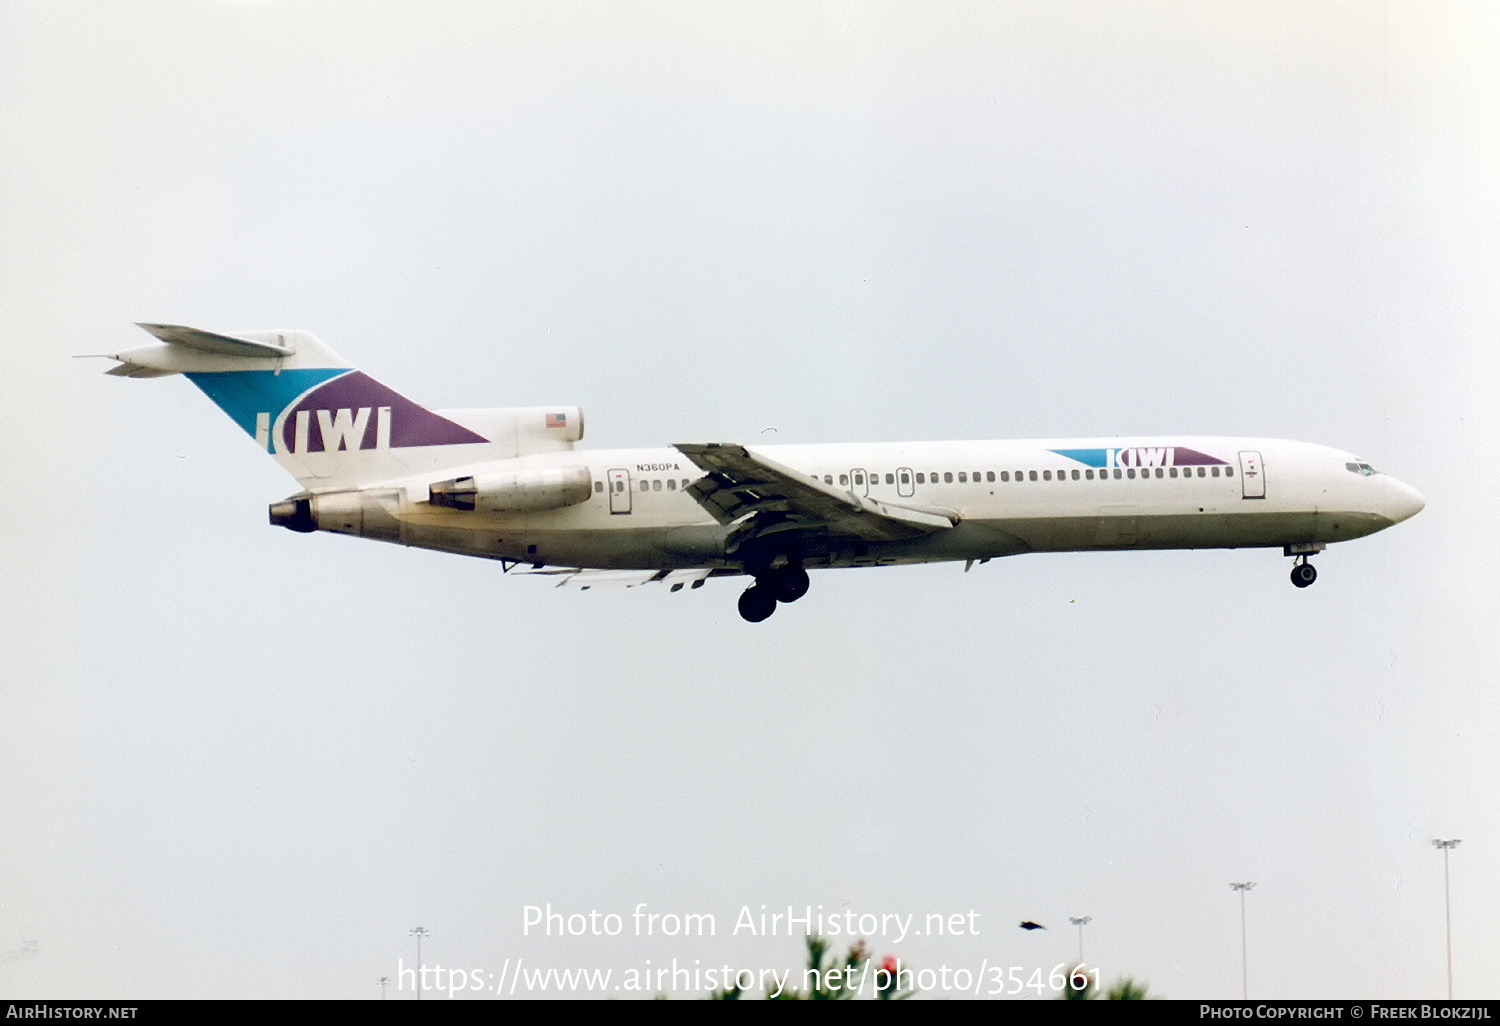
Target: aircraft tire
<point x="1303" y="574"/>
<point x="790" y="584"/>
<point x="757" y="603"/>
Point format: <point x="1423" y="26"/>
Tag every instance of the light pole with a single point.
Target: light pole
<point x="1244" y="956"/>
<point x="1448" y="907"/>
<point x="1080" y="922"/>
<point x="419" y="932"/>
<point x="383" y="981"/>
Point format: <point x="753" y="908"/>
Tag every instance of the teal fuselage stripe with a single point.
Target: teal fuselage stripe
<point x="243" y="394"/>
<point x="1088" y="457"/>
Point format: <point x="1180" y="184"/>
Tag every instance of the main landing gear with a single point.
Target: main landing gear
<point x="1303" y="572"/>
<point x="786" y="584"/>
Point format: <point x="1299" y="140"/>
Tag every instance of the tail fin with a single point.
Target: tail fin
<point x="329" y="425"/>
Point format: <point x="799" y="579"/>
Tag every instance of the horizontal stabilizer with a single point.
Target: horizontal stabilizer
<point x="214" y="342"/>
<point x="133" y="370"/>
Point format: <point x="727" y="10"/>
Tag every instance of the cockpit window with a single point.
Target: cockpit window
<point x="1362" y="469"/>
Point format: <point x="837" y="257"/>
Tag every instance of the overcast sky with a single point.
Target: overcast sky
<point x="235" y="761"/>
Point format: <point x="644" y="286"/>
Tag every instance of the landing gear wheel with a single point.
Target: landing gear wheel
<point x="757" y="603"/>
<point x="790" y="584"/>
<point x="1304" y="574"/>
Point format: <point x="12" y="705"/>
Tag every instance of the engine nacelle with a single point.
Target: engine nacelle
<point x="366" y="514"/>
<point x="521" y="491"/>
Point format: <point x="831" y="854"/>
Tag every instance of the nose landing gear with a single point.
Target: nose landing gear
<point x="1303" y="572"/>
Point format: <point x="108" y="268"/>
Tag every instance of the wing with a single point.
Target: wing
<point x="583" y="580"/>
<point x="764" y="497"/>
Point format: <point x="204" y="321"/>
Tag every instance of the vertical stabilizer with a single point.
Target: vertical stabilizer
<point x="330" y="425"/>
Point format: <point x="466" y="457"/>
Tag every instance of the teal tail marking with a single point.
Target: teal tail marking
<point x="244" y="394"/>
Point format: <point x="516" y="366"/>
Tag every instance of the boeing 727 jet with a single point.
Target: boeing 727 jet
<point x="512" y="484"/>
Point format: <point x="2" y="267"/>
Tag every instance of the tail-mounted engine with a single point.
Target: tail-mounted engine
<point x="523" y="491"/>
<point x="365" y="514"/>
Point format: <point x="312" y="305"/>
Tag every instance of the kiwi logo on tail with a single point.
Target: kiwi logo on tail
<point x="354" y="411"/>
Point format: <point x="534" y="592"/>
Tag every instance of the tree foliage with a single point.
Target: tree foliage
<point x="835" y="979"/>
<point x="1125" y="989"/>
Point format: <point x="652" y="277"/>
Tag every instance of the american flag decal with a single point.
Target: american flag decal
<point x="557" y="420"/>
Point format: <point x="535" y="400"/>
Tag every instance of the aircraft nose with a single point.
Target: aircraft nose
<point x="1402" y="501"/>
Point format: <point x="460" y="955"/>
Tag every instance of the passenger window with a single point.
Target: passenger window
<point x="1172" y="472"/>
<point x="843" y="479"/>
<point x="1075" y="475"/>
<point x="963" y="478"/>
<point x="1046" y="475"/>
<point x="645" y="486"/>
<point x="1129" y="472"/>
<point x="891" y="479"/>
<point x="828" y="479"/>
<point x="1228" y="471"/>
<point x="947" y="477"/>
<point x="1201" y="472"/>
<point x="989" y="475"/>
<point x="905" y="477"/>
<point x="1160" y="472"/>
<point x="598" y="487"/>
<point x="1088" y="475"/>
<point x="671" y="484"/>
<point x="1005" y="475"/>
<point x="1215" y="471"/>
<point x="1033" y="475"/>
<point x="921" y="478"/>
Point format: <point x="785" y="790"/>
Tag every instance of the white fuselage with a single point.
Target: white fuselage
<point x="1005" y="497"/>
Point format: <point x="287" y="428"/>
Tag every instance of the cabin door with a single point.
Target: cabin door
<point x="619" y="491"/>
<point x="1252" y="475"/>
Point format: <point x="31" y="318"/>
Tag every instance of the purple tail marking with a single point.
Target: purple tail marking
<point x="361" y="410"/>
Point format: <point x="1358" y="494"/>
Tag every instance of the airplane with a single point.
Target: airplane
<point x="512" y="485"/>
